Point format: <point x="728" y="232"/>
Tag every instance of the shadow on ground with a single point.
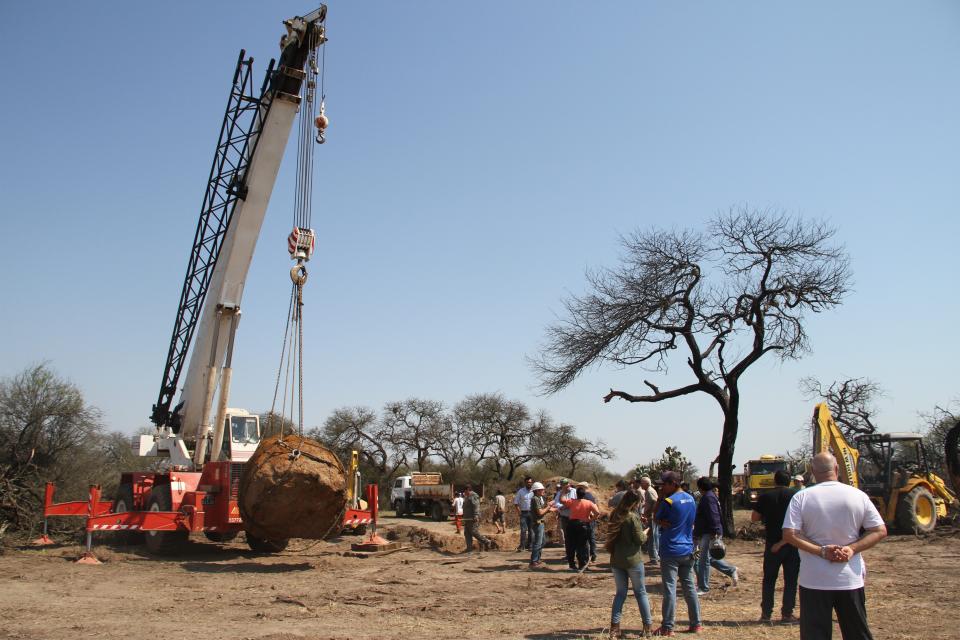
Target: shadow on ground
<point x="567" y="634"/>
<point x="246" y="567"/>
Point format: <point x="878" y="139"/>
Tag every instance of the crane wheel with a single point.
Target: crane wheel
<point x="917" y="511"/>
<point x="122" y="503"/>
<point x="163" y="542"/>
<point x="261" y="545"/>
<point x="221" y="536"/>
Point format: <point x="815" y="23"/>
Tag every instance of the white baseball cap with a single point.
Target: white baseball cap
<point x="536" y="486"/>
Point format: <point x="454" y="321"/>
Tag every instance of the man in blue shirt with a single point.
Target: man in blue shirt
<point x="675" y="515"/>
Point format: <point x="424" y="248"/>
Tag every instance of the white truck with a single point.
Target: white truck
<point x="423" y="493"/>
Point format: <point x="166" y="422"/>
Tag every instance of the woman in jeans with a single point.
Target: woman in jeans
<point x="625" y="538"/>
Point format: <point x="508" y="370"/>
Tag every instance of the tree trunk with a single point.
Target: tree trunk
<point x="725" y="460"/>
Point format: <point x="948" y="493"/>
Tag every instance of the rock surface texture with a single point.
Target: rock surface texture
<point x="284" y="495"/>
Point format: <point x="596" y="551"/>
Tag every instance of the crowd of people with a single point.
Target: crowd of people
<point x="814" y="536"/>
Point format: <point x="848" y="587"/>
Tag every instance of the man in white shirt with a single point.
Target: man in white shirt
<point x="458" y="511"/>
<point x="566" y="490"/>
<point x="522" y="502"/>
<point x="647" y="506"/>
<point x="824" y="523"/>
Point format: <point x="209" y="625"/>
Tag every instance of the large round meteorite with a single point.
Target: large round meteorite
<point x="294" y="488"/>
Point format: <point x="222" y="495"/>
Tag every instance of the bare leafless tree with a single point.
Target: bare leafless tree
<point x="561" y="448"/>
<point x="356" y="428"/>
<point x="415" y="427"/>
<point x="851" y="401"/>
<point x="456" y="447"/>
<point x="500" y="431"/>
<point x="725" y="297"/>
<point x="475" y="416"/>
<point x="938" y="423"/>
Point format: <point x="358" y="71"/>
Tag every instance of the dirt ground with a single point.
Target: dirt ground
<point x="428" y="591"/>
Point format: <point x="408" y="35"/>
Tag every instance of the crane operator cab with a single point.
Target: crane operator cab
<point x="241" y="435"/>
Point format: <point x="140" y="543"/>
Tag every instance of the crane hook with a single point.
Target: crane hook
<point x="322" y="122"/>
<point x="299" y="274"/>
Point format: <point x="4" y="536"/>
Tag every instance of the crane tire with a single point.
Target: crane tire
<point x="262" y="545"/>
<point x="221" y="536"/>
<point x="917" y="511"/>
<point x="163" y="542"/>
<point x="122" y="503"/>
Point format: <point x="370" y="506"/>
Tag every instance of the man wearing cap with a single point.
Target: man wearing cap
<point x="563" y="516"/>
<point x="471" y="520"/>
<point x="799" y="482"/>
<point x="675" y="515"/>
<point x="538" y="509"/>
<point x="522" y="502"/>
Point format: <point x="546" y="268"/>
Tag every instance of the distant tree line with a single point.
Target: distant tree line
<point x="484" y="437"/>
<point x="49" y="433"/>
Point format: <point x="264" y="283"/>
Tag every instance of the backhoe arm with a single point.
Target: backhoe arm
<point x="828" y="437"/>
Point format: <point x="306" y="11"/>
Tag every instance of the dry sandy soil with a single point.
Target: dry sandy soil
<point x="428" y="591"/>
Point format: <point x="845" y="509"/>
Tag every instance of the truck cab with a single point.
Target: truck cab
<point x="758" y="476"/>
<point x="399" y="490"/>
<point x="422" y="493"/>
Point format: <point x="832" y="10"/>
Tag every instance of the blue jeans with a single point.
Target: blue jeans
<point x="705" y="562"/>
<point x="636" y="577"/>
<point x="669" y="569"/>
<point x="536" y="541"/>
<point x="525" y="533"/>
<point x="654" y="541"/>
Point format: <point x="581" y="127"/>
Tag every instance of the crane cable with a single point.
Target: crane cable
<point x="292" y="360"/>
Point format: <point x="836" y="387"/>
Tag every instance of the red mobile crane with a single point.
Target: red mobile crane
<point x="197" y="490"/>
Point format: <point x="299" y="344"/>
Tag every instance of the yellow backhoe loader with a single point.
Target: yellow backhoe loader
<point x="892" y="468"/>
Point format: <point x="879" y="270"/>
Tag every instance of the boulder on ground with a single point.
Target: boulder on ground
<point x="285" y="495"/>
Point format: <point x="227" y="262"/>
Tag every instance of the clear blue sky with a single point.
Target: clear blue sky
<point x="480" y="157"/>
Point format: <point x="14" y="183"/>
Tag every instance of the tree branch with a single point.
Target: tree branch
<point x="657" y="395"/>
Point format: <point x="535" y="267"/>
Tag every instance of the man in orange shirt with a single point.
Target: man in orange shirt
<point x="582" y="513"/>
